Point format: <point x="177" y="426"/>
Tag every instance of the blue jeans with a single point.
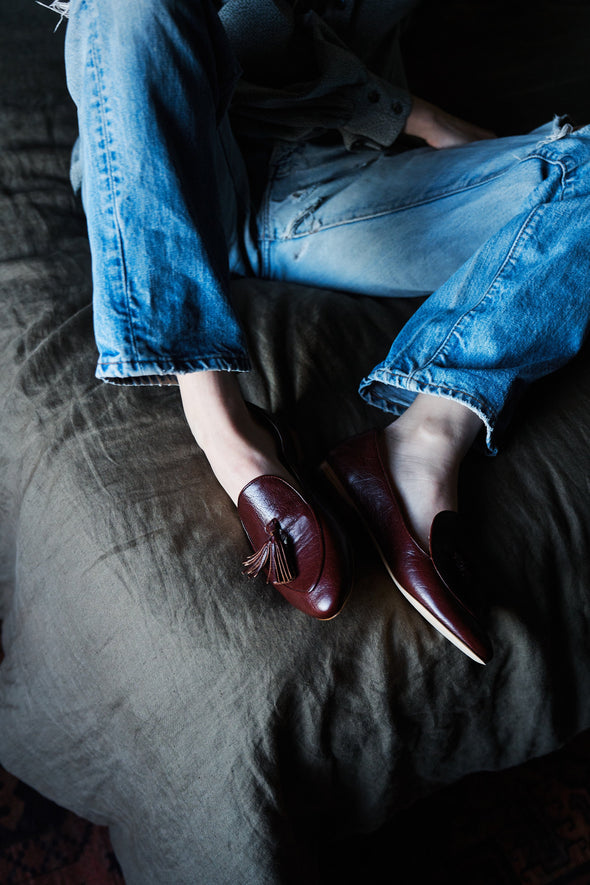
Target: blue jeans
<point x="496" y="233"/>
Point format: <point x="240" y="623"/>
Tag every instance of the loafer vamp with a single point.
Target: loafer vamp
<point x="416" y="576"/>
<point x="411" y="568"/>
<point x="269" y="498"/>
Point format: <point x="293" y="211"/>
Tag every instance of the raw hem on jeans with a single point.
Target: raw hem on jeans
<point x="395" y="394"/>
<point x="164" y="373"/>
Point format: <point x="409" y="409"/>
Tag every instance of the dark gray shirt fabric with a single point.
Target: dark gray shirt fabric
<point x="312" y="67"/>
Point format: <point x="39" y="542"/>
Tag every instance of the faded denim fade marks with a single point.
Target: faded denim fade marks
<point x="489" y="228"/>
<point x="160" y="199"/>
<point x="495" y="232"/>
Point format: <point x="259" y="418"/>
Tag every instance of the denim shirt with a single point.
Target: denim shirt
<point x="310" y="67"/>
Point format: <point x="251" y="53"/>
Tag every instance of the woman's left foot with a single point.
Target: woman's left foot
<point x="425" y="476"/>
<point x="417" y="558"/>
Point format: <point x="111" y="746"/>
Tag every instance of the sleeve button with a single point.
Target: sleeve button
<point x="397" y="107"/>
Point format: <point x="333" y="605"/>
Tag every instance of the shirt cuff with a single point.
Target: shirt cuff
<point x="380" y="114"/>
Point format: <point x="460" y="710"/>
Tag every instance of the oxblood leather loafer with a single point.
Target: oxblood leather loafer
<point x="298" y="544"/>
<point x="436" y="583"/>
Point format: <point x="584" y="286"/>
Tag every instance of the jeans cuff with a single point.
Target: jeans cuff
<point x="393" y="392"/>
<point x="164" y="372"/>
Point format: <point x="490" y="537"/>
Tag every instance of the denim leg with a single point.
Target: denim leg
<point x="151" y="80"/>
<point x="499" y="231"/>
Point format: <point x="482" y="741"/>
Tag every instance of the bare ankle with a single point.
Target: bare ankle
<point x="425" y="448"/>
<point x="236" y="446"/>
<point x="213" y="404"/>
<point x="437" y="427"/>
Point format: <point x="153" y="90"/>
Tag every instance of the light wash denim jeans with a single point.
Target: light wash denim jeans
<point x="498" y="231"/>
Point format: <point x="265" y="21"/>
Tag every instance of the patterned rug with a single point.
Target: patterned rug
<point x="43" y="844"/>
<point x="529" y="825"/>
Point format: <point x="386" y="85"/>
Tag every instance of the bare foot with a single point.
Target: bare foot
<point x="237" y="447"/>
<point x="425" y="448"/>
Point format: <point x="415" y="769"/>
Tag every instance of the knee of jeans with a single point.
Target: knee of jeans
<point x="141" y="38"/>
<point x="137" y="19"/>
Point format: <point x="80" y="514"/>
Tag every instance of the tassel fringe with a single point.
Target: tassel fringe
<point x="273" y="554"/>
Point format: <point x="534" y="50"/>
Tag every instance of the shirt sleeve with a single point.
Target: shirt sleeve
<point x="301" y="80"/>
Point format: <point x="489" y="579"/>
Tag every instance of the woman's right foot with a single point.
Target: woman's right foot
<point x="298" y="545"/>
<point x="238" y="447"/>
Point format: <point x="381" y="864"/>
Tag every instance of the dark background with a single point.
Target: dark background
<point x="508" y="66"/>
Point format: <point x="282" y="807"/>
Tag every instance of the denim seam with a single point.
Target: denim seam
<point x="516" y="242"/>
<point x="555" y="162"/>
<point x="383" y="213"/>
<point x="568" y="188"/>
<point x="161" y="373"/>
<point x="95" y="59"/>
<point x="264" y="238"/>
<point x="143" y="381"/>
<point x="288" y="235"/>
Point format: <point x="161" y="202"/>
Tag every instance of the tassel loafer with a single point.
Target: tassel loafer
<point x="437" y="582"/>
<point x="297" y="544"/>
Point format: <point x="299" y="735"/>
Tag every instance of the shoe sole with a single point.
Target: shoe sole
<point x="422" y="610"/>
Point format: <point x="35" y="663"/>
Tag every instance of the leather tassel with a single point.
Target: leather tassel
<point x="273" y="554"/>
